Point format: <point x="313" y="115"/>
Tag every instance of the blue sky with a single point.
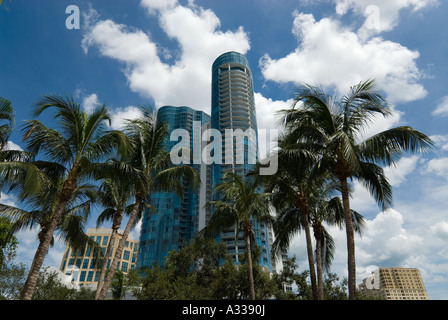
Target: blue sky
<point x="160" y="52"/>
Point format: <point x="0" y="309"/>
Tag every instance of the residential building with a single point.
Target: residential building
<point x="233" y="110"/>
<point x="175" y="221"/>
<point x="82" y="265"/>
<point x="394" y="284"/>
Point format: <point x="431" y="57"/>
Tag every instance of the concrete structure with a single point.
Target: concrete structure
<point x="394" y="284"/>
<point x="81" y="267"/>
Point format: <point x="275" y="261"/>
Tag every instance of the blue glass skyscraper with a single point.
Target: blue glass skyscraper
<point x="233" y="109"/>
<point x="175" y="221"/>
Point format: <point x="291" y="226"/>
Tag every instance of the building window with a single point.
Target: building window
<point x="124" y="266"/>
<point x="126" y="255"/>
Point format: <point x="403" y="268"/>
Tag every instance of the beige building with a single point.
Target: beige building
<point x="81" y="267"/>
<point x="394" y="284"/>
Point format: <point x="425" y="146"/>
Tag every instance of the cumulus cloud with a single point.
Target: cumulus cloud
<point x="334" y="56"/>
<point x="438" y="166"/>
<point x="119" y="116"/>
<point x="185" y="82"/>
<point x="387" y="241"/>
<point x="12" y="146"/>
<point x="397" y="174"/>
<point x="380" y="15"/>
<point x="90" y="102"/>
<point x="153" y="6"/>
<point x="441" y="141"/>
<point x="442" y="107"/>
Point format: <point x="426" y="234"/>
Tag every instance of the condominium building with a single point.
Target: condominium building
<point x="233" y="110"/>
<point x="394" y="284"/>
<point x="175" y="221"/>
<point x="81" y="264"/>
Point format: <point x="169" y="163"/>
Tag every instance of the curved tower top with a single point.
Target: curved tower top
<point x="233" y="105"/>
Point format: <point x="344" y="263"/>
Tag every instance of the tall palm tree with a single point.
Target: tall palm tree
<point x="79" y="141"/>
<point x="337" y="126"/>
<point x="326" y="209"/>
<point x="291" y="187"/>
<point x="115" y="196"/>
<point x="150" y="170"/>
<point x="41" y="208"/>
<point x="241" y="203"/>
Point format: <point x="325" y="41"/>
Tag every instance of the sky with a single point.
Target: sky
<point x="160" y="52"/>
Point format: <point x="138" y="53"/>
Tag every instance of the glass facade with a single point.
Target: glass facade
<point x="175" y="221"/>
<point x="233" y="109"/>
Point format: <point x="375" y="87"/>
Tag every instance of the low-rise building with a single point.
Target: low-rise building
<point x="81" y="264"/>
<point x="394" y="284"/>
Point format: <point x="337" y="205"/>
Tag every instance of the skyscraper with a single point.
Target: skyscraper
<point x="233" y="109"/>
<point x="175" y="221"/>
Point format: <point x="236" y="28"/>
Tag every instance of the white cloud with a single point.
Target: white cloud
<point x="440" y="141"/>
<point x="7" y="199"/>
<point x="154" y="6"/>
<point x="380" y="15"/>
<point x="379" y="123"/>
<point x="187" y="81"/>
<point x="439" y="166"/>
<point x="334" y="56"/>
<point x="442" y="107"/>
<point x="120" y="115"/>
<point x="12" y="146"/>
<point x="90" y="102"/>
<point x="397" y="174"/>
<point x="441" y="230"/>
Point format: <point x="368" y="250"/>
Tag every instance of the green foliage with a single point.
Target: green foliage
<point x="8" y="242"/>
<point x="205" y="272"/>
<point x="12" y="275"/>
<point x="49" y="287"/>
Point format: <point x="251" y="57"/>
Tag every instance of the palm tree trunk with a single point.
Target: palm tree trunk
<point x="115" y="226"/>
<point x="320" y="286"/>
<point x="249" y="263"/>
<point x="118" y="252"/>
<point x="39" y="256"/>
<point x="309" y="247"/>
<point x="44" y="243"/>
<point x="350" y="240"/>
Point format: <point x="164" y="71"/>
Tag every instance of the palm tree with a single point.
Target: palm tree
<point x="80" y="140"/>
<point x="41" y="208"/>
<point x="326" y="209"/>
<point x="114" y="195"/>
<point x="150" y="169"/>
<point x="337" y="126"/>
<point x="241" y="203"/>
<point x="6" y="113"/>
<point x="291" y="187"/>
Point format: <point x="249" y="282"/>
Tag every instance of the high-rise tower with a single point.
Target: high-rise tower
<point x="233" y="109"/>
<point x="175" y="221"/>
